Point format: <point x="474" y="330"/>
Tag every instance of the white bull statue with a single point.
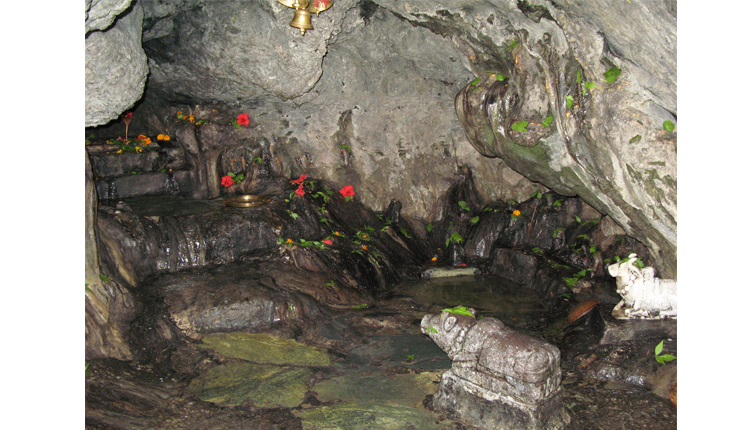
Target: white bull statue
<point x="643" y="295"/>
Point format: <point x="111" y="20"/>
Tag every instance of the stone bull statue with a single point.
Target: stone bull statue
<point x="643" y="295"/>
<point x="499" y="378"/>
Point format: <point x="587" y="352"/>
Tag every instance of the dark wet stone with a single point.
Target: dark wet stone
<point x="514" y="265"/>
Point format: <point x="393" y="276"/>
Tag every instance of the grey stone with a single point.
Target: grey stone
<point x="116" y="68"/>
<point x="500" y="378"/>
<point x="448" y="272"/>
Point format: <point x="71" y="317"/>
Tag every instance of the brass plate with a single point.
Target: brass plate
<point x="246" y="201"/>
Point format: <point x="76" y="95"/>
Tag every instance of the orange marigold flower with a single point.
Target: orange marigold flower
<point x="191" y="118"/>
<point x="289" y="240"/>
<point x="517" y="212"/>
<point x="364" y="247"/>
<point x="434" y="259"/>
<point x="337" y="233"/>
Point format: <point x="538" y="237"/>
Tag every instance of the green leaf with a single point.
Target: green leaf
<point x="410" y="357"/>
<point x="474" y="220"/>
<point x="346" y="147"/>
<point x="579" y="76"/>
<point x="668" y="125"/>
<point x="659" y="348"/>
<point x="88" y="290"/>
<point x="456" y="237"/>
<point x="463" y="205"/>
<point x="579" y="220"/>
<point x="558" y="203"/>
<point x="294" y="215"/>
<point x="520" y="126"/>
<point x="429" y="227"/>
<point x="403" y="231"/>
<point x="500" y="77"/>
<point x="589" y="85"/>
<point x="461" y="310"/>
<point x="569" y="101"/>
<point x="635" y="139"/>
<point x="547" y="121"/>
<point x="556" y="230"/>
<point x="665" y="358"/>
<point x="475" y="82"/>
<point x="257" y="160"/>
<point x="432" y="329"/>
<point x="612" y="74"/>
<point x="512" y="45"/>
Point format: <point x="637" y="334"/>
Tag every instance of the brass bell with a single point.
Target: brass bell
<point x="302" y="20"/>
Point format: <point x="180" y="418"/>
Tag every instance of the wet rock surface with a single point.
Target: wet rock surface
<point x="381" y="371"/>
<point x="228" y="300"/>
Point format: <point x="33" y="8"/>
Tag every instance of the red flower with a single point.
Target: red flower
<point x="129" y="115"/>
<point x="321" y="3"/>
<point x="300" y="180"/>
<point x="300" y="190"/>
<point x="243" y="119"/>
<point x="226" y="180"/>
<point x="347" y="191"/>
<point x="327" y="242"/>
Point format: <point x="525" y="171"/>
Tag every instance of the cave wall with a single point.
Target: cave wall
<point x="607" y="141"/>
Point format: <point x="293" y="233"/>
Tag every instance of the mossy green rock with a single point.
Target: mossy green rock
<point x="264" y="348"/>
<point x="373" y="400"/>
<point x="375" y="387"/>
<point x="368" y="416"/>
<point x="266" y="385"/>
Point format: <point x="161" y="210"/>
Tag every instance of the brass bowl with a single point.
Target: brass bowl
<point x="246" y="201"/>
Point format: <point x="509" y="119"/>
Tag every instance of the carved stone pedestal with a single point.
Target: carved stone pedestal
<point x="463" y="400"/>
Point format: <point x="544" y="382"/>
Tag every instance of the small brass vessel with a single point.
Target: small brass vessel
<point x="246" y="201"/>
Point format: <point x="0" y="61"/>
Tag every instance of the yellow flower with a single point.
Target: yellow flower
<point x="138" y="149"/>
<point x="517" y="212"/>
<point x="120" y="151"/>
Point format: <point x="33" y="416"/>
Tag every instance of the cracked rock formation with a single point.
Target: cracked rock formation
<point x="367" y="97"/>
